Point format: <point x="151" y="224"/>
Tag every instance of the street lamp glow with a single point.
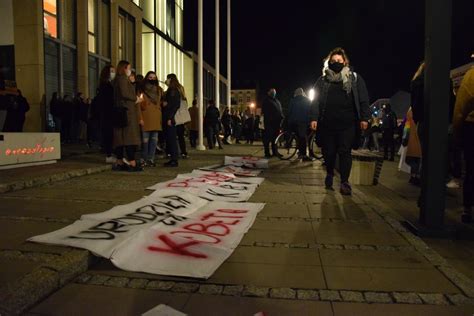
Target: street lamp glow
<point x="311" y="94"/>
<point x="252" y="105"/>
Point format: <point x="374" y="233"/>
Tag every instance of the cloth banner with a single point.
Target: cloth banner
<point x="193" y="247"/>
<point x="237" y="171"/>
<point x="247" y="162"/>
<point x="212" y="186"/>
<point x="101" y="233"/>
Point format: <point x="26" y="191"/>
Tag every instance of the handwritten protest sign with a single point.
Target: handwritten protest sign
<point x="194" y="247"/>
<point x="101" y="233"/>
<point x="238" y="171"/>
<point x="248" y="162"/>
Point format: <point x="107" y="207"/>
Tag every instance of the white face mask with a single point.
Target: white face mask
<point x="128" y="72"/>
<point x="112" y="76"/>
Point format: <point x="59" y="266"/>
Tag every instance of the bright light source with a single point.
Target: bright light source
<point x="252" y="105"/>
<point x="311" y="94"/>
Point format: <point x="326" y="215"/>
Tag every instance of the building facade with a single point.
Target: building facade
<point x="243" y="98"/>
<point x="62" y="45"/>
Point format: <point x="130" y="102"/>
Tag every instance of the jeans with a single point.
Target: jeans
<point x="338" y="142"/>
<point x="171" y="141"/>
<point x="213" y="136"/>
<point x="149" y="141"/>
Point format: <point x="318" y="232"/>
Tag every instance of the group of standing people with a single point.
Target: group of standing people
<point x="134" y="113"/>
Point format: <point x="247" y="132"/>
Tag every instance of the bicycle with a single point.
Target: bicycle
<point x="287" y="145"/>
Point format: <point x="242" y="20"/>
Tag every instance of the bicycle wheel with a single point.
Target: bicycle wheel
<point x="314" y="150"/>
<point x="286" y="145"/>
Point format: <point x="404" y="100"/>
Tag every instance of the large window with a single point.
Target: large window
<point x="104" y="44"/>
<point x="59" y="19"/>
<point x="171" y="19"/>
<point x="92" y="25"/>
<point x="59" y="24"/>
<point x="50" y="18"/>
<point x="127" y="38"/>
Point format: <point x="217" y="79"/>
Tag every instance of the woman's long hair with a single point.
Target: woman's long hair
<point x="105" y="74"/>
<point x="174" y="83"/>
<point x="419" y="71"/>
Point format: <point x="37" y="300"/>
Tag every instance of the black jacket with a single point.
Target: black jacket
<point x="359" y="91"/>
<point x="272" y="112"/>
<point x="212" y="117"/>
<point x="173" y="100"/>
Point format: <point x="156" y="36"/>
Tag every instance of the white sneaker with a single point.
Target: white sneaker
<point x="454" y="184"/>
<point x="110" y="160"/>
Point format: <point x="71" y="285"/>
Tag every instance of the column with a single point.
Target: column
<point x="82" y="48"/>
<point x="229" y="64"/>
<point x="29" y="60"/>
<point x="218" y="67"/>
<point x="200" y="145"/>
<point x="437" y="89"/>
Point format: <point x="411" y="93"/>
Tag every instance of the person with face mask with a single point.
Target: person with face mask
<point x="151" y="115"/>
<point x="273" y="114"/>
<point x="340" y="108"/>
<point x="126" y="138"/>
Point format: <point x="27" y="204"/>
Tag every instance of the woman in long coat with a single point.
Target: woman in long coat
<point x="127" y="139"/>
<point x="151" y="116"/>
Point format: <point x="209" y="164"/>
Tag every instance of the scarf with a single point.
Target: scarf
<point x="151" y="92"/>
<point x="344" y="76"/>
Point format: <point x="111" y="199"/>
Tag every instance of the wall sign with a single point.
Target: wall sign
<point x="26" y="149"/>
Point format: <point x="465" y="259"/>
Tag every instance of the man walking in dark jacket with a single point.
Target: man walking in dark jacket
<point x="212" y="124"/>
<point x="298" y="121"/>
<point x="273" y="116"/>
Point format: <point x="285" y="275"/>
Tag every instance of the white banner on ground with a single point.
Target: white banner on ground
<point x="238" y="171"/>
<point x="213" y="186"/>
<point x="193" y="247"/>
<point x="102" y="232"/>
<point x="248" y="162"/>
<point x="243" y="180"/>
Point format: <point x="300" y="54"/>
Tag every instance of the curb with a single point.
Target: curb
<point x="35" y="286"/>
<point x="31" y="183"/>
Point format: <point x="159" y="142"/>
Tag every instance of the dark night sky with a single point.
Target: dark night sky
<point x="282" y="43"/>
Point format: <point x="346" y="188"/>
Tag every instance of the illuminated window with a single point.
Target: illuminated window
<point x="50" y="18"/>
<point x="104" y="29"/>
<point x="121" y="36"/>
<point x="171" y="19"/>
<point x="127" y="38"/>
<point x="92" y="25"/>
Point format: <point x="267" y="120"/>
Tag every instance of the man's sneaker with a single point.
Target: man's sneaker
<point x="453" y="184"/>
<point x="328" y="182"/>
<point x="346" y="188"/>
<point x="184" y="156"/>
<point x="110" y="159"/>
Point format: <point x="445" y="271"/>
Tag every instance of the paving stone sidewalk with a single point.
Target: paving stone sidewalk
<point x="310" y="252"/>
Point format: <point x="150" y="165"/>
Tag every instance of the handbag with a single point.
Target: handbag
<point x="119" y="117"/>
<point x="182" y="116"/>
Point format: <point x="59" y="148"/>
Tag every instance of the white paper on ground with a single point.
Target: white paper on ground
<point x="101" y="233"/>
<point x="238" y="171"/>
<point x="248" y="162"/>
<point x="193" y="247"/>
<point x="163" y="310"/>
